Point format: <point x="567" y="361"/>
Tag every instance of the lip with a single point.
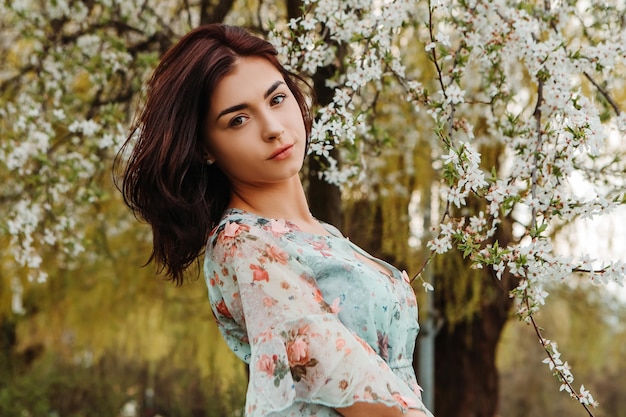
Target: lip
<point x="282" y="152"/>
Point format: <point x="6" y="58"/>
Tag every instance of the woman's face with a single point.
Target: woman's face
<point x="255" y="129"/>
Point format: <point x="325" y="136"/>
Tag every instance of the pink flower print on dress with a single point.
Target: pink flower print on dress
<point x="404" y="402"/>
<point x="259" y="274"/>
<point x="298" y="354"/>
<point x="231" y="229"/>
<point x="321" y="246"/>
<point x="269" y="301"/>
<point x="275" y="254"/>
<point x="343" y="384"/>
<point x="215" y="280"/>
<point x="367" y="395"/>
<point x="411" y="300"/>
<point x="317" y="295"/>
<point x="266" y="365"/>
<point x="222" y="309"/>
<point x="279" y="227"/>
<point x="229" y="238"/>
<point x="340" y="343"/>
<point x="298" y="351"/>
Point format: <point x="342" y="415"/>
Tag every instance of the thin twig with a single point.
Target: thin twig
<point x="553" y="361"/>
<point x="605" y="93"/>
<point x="432" y="252"/>
<point x="533" y="186"/>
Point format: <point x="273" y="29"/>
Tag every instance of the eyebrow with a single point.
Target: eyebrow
<point x="238" y="107"/>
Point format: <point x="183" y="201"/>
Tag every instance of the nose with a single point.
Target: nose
<point x="271" y="125"/>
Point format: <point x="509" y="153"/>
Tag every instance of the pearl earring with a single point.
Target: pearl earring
<point x="210" y="161"/>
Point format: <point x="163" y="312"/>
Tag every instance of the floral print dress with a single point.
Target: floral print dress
<point x="319" y="328"/>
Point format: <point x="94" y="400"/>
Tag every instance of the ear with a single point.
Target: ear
<point x="206" y="156"/>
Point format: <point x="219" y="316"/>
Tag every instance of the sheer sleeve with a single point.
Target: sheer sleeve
<point x="299" y="351"/>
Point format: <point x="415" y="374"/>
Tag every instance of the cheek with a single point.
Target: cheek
<point x="298" y="119"/>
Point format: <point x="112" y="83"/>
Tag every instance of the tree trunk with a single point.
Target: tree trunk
<point x="466" y="377"/>
<point x="324" y="198"/>
<point x="214" y="12"/>
<point x="294" y="8"/>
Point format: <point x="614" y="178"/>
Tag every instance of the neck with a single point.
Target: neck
<point x="285" y="200"/>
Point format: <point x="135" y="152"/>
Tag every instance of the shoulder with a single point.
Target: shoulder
<point x="235" y="221"/>
<point x="332" y="229"/>
<point x="238" y="226"/>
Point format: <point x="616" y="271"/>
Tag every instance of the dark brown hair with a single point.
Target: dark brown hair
<point x="166" y="180"/>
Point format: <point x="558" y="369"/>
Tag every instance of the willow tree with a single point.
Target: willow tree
<point x="473" y="115"/>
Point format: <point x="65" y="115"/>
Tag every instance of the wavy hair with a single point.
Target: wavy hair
<point x="165" y="180"/>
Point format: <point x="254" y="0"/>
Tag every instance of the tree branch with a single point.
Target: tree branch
<point x="562" y="377"/>
<point x="604" y="93"/>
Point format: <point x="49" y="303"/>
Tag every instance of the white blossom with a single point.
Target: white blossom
<point x="440" y="244"/>
<point x="475" y="95"/>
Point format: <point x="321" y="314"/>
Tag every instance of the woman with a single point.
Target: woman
<point x="326" y="329"/>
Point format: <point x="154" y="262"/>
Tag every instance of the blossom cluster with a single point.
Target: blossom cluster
<point x="548" y="136"/>
<point x="522" y="78"/>
<point x="360" y="33"/>
<point x="562" y="371"/>
<point x="67" y="89"/>
<point x="529" y="81"/>
<point x="564" y="134"/>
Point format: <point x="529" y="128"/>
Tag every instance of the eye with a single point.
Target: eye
<point x="237" y="121"/>
<point x="277" y="99"/>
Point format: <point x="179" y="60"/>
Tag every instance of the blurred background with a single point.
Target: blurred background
<point x="86" y="329"/>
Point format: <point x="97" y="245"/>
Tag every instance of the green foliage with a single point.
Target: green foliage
<point x="103" y="302"/>
<point x="55" y="386"/>
<point x="465" y="288"/>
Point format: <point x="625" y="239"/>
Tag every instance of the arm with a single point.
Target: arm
<point x="376" y="410"/>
